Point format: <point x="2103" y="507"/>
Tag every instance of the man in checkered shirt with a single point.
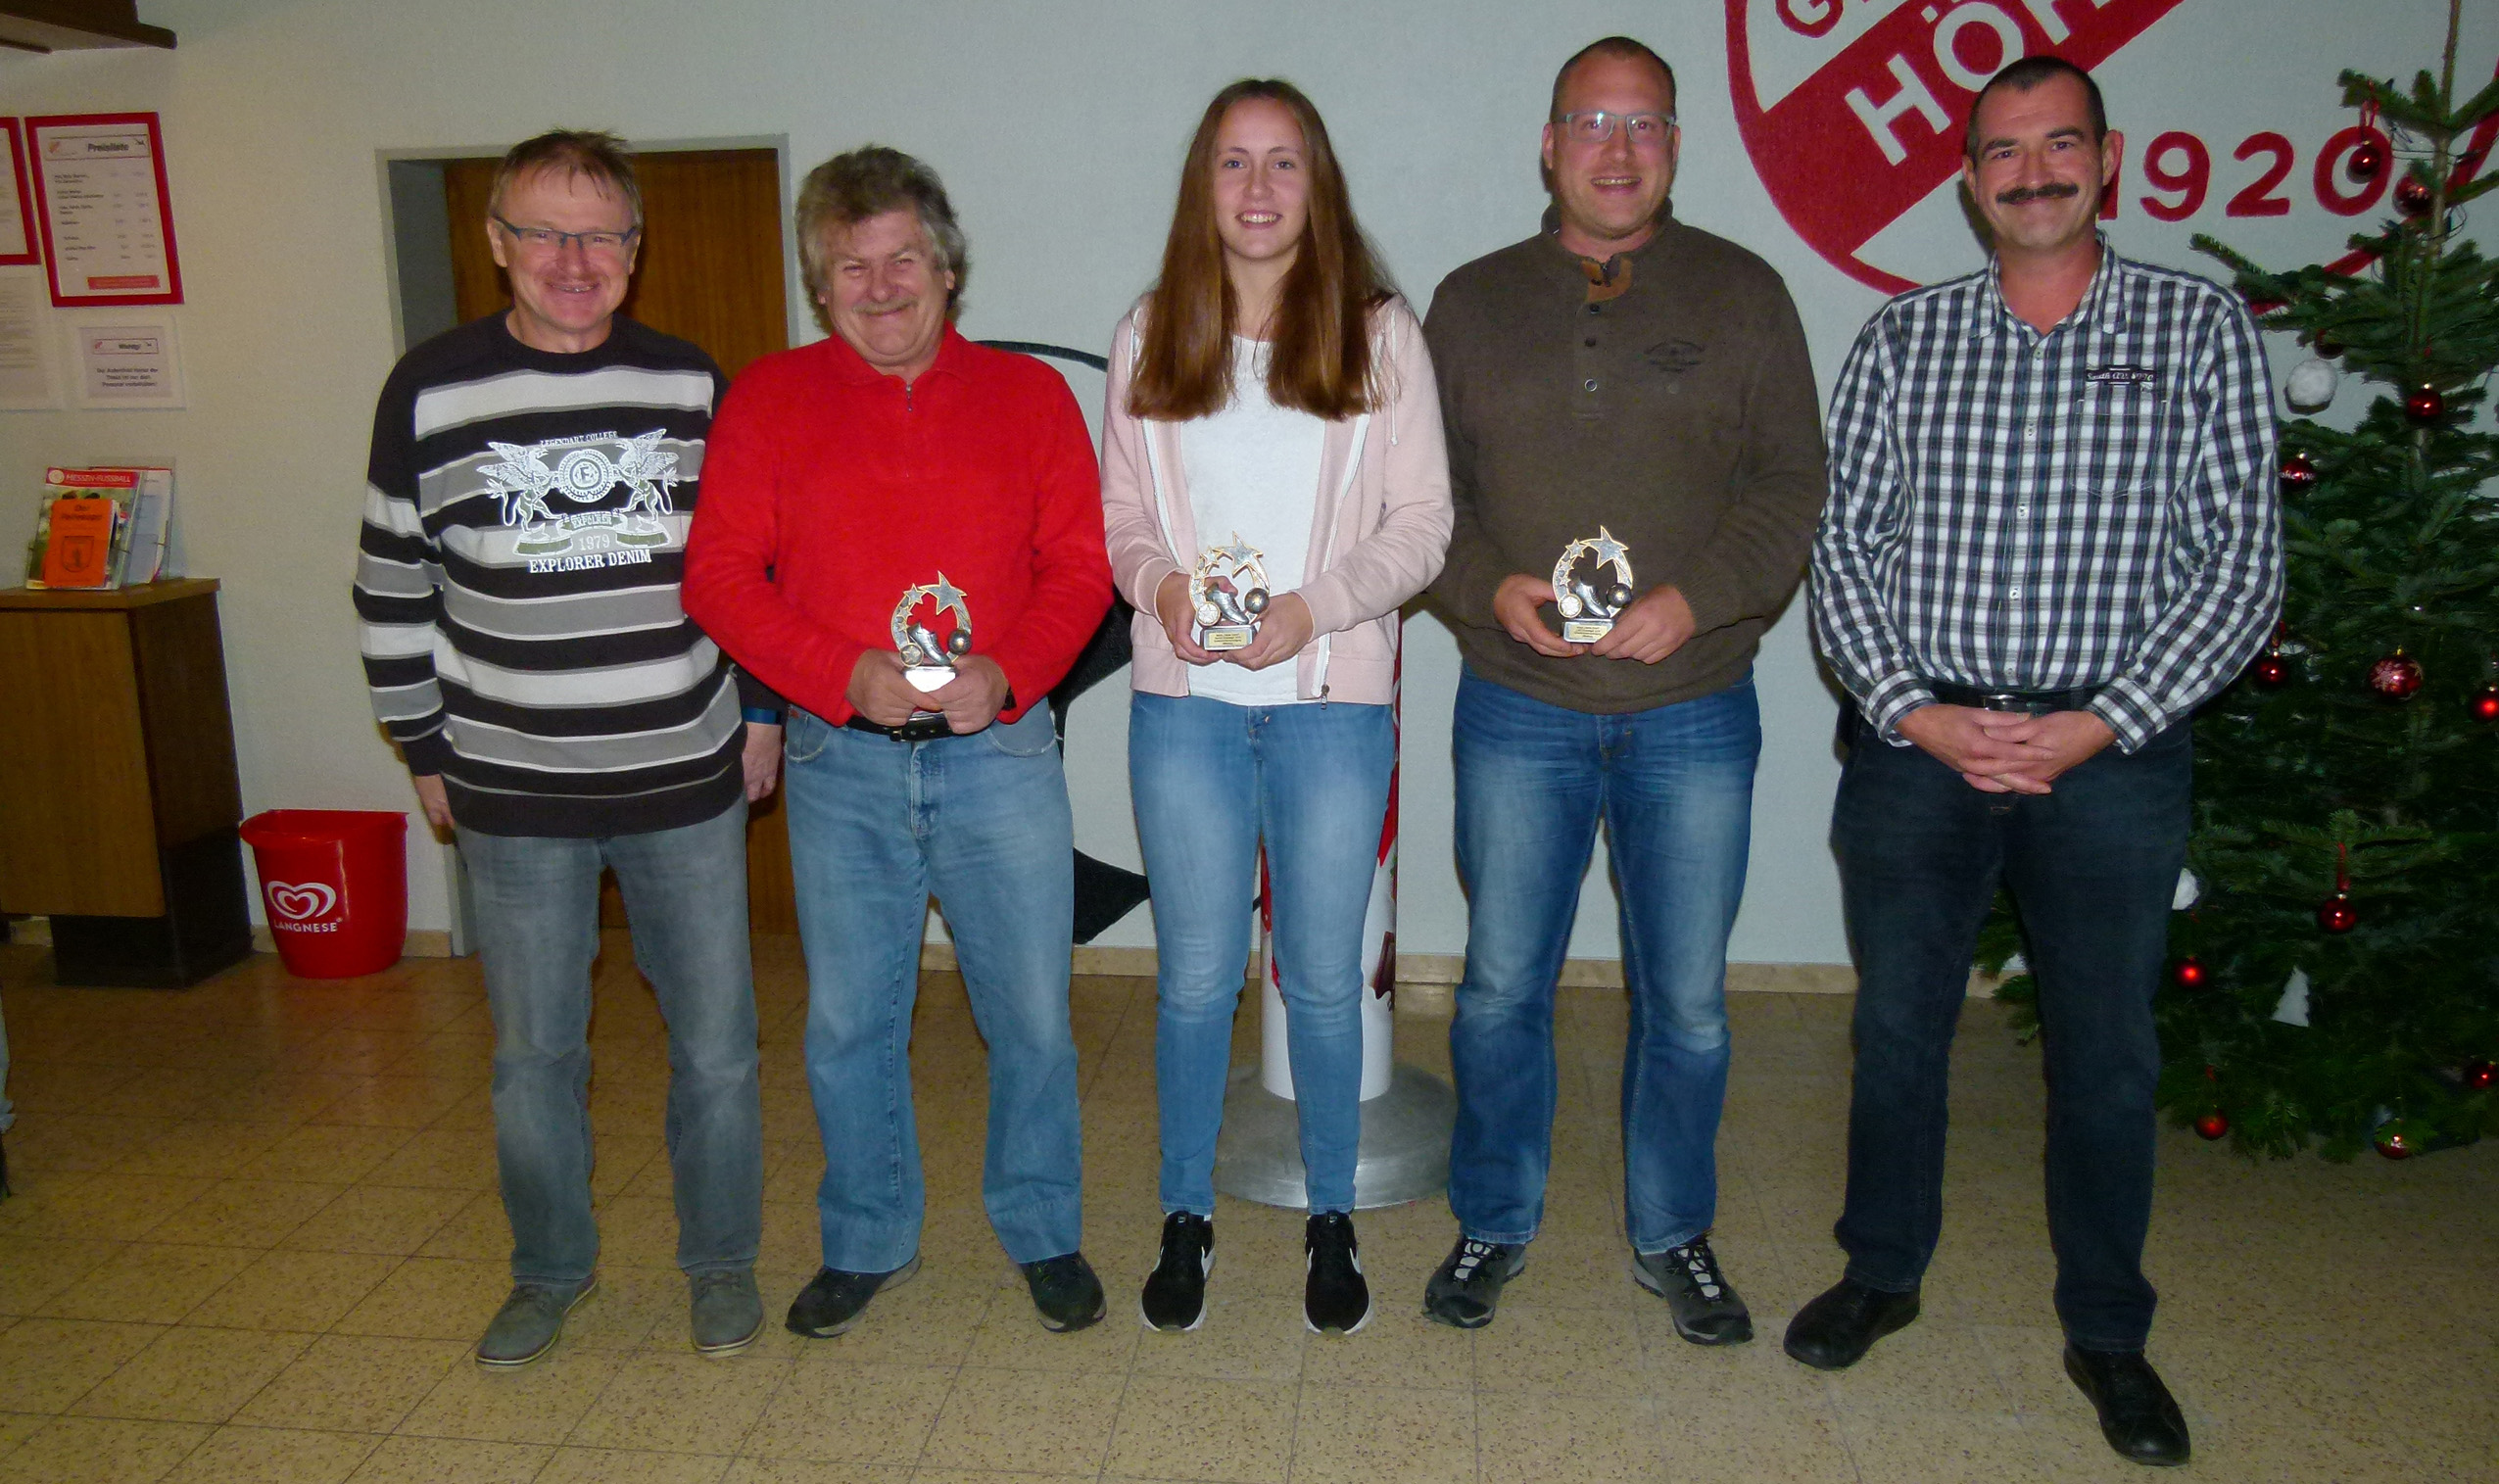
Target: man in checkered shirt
<point x="2051" y="534"/>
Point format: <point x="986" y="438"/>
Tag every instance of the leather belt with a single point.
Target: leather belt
<point x="2033" y="701"/>
<point x="927" y="726"/>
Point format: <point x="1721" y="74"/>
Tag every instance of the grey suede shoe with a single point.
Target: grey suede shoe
<point x="530" y="1322"/>
<point x="728" y="1313"/>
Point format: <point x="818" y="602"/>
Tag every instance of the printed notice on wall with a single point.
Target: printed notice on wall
<point x="103" y="210"/>
<point x="17" y="225"/>
<point x="128" y="360"/>
<point x="26" y="382"/>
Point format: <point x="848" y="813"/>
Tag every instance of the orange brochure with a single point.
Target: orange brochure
<point x="79" y="553"/>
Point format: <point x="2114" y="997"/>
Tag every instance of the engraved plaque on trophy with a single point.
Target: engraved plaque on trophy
<point x="1592" y="586"/>
<point x="1227" y="592"/>
<point x="928" y="659"/>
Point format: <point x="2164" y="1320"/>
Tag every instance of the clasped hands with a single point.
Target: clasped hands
<point x="2007" y="751"/>
<point x="1657" y="622"/>
<point x="970" y="701"/>
<point x="1282" y="629"/>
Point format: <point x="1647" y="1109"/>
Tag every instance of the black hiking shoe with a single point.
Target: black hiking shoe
<point x="1065" y="1290"/>
<point x="832" y="1301"/>
<point x="1704" y="1304"/>
<point x="1467" y="1286"/>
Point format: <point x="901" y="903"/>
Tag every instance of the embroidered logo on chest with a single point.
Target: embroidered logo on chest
<point x="1673" y="358"/>
<point x="2120" y="374"/>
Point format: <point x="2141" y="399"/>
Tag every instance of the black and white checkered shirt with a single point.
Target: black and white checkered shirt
<point x="2018" y="511"/>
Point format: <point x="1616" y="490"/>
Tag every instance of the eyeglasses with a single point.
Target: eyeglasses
<point x="545" y="239"/>
<point x="1597" y="126"/>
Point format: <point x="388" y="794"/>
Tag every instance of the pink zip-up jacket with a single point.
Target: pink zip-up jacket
<point x="1378" y="536"/>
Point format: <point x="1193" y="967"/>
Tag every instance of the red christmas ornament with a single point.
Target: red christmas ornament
<point x="2393" y="1143"/>
<point x="2336" y="913"/>
<point x="2423" y="404"/>
<point x="2396" y="677"/>
<point x="2478" y="1075"/>
<point x="2412" y="195"/>
<point x="2367" y="159"/>
<point x="2486" y="707"/>
<point x="2271" y="672"/>
<point x="2298" y="473"/>
<point x="2212" y="1126"/>
<point x="2189" y="973"/>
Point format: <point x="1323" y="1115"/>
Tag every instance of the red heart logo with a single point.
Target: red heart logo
<point x="301" y="901"/>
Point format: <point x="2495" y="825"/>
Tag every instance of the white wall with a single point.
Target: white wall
<point x="1058" y="130"/>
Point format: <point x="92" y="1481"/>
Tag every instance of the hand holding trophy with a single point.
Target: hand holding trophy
<point x="1592" y="586"/>
<point x="1227" y="593"/>
<point x="928" y="661"/>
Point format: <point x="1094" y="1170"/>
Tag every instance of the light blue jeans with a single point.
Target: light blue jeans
<point x="1210" y="778"/>
<point x="537" y="902"/>
<point x="1673" y="787"/>
<point x="876" y="827"/>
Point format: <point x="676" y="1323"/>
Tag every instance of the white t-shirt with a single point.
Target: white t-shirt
<point x="1253" y="472"/>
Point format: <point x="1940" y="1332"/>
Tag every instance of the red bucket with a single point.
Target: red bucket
<point x="335" y="884"/>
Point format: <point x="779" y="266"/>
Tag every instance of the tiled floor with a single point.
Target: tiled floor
<point x="258" y="1232"/>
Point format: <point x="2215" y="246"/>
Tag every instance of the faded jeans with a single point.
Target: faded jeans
<point x="877" y="827"/>
<point x="537" y="901"/>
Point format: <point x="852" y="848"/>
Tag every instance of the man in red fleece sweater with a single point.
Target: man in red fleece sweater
<point x="892" y="455"/>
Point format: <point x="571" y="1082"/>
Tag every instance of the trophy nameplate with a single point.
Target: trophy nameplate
<point x="1226" y="593"/>
<point x="928" y="661"/>
<point x="1589" y="603"/>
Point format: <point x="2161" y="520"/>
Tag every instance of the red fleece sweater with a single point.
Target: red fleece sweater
<point x="828" y="487"/>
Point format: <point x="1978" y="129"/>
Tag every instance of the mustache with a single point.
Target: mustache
<point x="2055" y="190"/>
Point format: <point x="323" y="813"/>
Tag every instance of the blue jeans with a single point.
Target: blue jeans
<point x="1210" y="778"/>
<point x="537" y="904"/>
<point x="1673" y="787"/>
<point x="2091" y="867"/>
<point x="876" y="827"/>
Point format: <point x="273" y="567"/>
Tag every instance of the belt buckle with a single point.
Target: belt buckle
<point x="2004" y="700"/>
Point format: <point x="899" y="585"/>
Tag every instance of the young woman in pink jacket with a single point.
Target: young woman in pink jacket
<point x="1273" y="486"/>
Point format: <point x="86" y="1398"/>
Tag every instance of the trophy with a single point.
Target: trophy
<point x="929" y="661"/>
<point x="1587" y="609"/>
<point x="1227" y="592"/>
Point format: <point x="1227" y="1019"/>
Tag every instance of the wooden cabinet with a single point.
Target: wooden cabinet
<point x="118" y="800"/>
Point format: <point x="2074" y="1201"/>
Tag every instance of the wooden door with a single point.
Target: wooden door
<point x="711" y="271"/>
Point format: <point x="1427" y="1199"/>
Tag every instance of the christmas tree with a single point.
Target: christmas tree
<point x="2335" y="975"/>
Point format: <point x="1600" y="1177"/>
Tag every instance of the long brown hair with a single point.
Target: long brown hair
<point x="1320" y="357"/>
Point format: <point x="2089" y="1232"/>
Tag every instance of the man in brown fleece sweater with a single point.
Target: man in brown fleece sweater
<point x="1620" y="374"/>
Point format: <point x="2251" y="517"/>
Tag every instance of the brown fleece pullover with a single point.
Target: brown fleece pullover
<point x="1679" y="414"/>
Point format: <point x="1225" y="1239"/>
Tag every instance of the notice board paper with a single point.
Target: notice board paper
<point x="16" y="225"/>
<point x="26" y="382"/>
<point x="102" y="209"/>
<point x="126" y="362"/>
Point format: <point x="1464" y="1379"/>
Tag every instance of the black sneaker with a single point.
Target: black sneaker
<point x="1174" y="1296"/>
<point x="1065" y="1290"/>
<point x="832" y="1301"/>
<point x="1704" y="1304"/>
<point x="1335" y="1299"/>
<point x="1467" y="1286"/>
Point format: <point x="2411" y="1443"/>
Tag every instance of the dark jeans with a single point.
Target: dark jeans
<point x="2092" y="867"/>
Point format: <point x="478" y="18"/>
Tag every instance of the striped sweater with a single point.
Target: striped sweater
<point x="525" y="518"/>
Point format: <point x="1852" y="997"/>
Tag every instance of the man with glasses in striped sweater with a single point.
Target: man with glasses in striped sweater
<point x="2052" y="533"/>
<point x="532" y="479"/>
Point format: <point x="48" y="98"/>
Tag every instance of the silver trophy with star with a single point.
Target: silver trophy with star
<point x="932" y="628"/>
<point x="1227" y="593"/>
<point x="1592" y="586"/>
